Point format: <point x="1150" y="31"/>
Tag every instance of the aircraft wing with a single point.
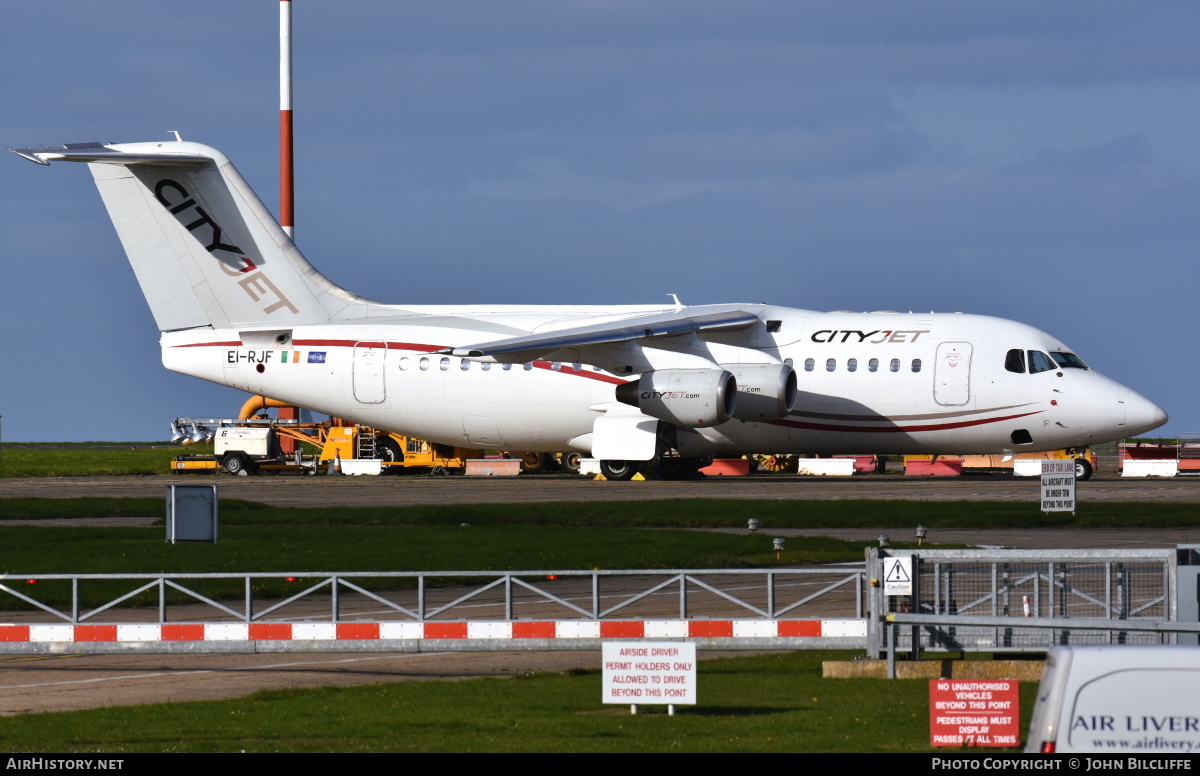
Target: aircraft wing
<point x="689" y="320"/>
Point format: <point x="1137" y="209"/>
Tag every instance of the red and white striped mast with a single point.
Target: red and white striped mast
<point x="286" y="181"/>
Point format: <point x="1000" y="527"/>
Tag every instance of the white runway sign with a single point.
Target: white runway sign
<point x="1058" y="486"/>
<point x="644" y="672"/>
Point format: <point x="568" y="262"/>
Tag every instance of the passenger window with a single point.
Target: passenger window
<point x="873" y="365"/>
<point x="464" y="365"/>
<point x="831" y="365"/>
<point x="1039" y="362"/>
<point x="809" y="364"/>
<point x="485" y="366"/>
<point x="1014" y="361"/>
<point x="895" y="365"/>
<point x="424" y="363"/>
<point x="556" y="366"/>
<point x="528" y="367"/>
<point x="916" y="365"/>
<point x="852" y="365"/>
<point x="444" y="364"/>
<point x="404" y="363"/>
<point x="506" y="367"/>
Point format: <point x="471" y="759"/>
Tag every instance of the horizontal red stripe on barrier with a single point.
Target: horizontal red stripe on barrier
<point x="270" y="631"/>
<point x="14" y="633"/>
<point x="799" y="628"/>
<point x="534" y="630"/>
<point x="357" y="630"/>
<point x="95" y="632"/>
<point x="445" y="630"/>
<point x="710" y="629"/>
<point x="622" y="629"/>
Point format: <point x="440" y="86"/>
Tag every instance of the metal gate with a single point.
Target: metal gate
<point x="1109" y="585"/>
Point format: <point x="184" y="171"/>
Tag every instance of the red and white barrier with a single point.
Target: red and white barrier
<point x="418" y="631"/>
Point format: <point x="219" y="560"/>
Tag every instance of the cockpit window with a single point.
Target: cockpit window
<point x="1068" y="360"/>
<point x="1039" y="362"/>
<point x="1014" y="361"/>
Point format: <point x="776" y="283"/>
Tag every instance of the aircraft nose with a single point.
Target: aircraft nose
<point x="1142" y="415"/>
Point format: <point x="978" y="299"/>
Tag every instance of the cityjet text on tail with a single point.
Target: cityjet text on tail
<point x="634" y="386"/>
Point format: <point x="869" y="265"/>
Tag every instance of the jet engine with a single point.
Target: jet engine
<point x="691" y="398"/>
<point x="766" y="392"/>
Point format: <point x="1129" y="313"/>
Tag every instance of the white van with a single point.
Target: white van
<point x="1118" y="699"/>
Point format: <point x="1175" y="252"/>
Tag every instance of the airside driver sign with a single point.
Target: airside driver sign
<point x="1058" y="486"/>
<point x="650" y="672"/>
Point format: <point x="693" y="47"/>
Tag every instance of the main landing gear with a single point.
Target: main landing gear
<point x="663" y="468"/>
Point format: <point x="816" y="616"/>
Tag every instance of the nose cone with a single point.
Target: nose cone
<point x="1142" y="415"/>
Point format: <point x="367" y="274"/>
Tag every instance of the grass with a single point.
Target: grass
<point x="678" y="513"/>
<point x="92" y="459"/>
<point x="32" y="551"/>
<point x="765" y="703"/>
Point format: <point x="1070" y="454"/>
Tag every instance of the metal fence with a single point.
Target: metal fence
<point x="1085" y="585"/>
<point x="433" y="596"/>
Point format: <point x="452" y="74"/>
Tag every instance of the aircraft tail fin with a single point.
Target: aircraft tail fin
<point x="205" y="249"/>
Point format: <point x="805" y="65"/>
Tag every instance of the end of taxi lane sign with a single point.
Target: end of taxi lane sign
<point x="1058" y="486"/>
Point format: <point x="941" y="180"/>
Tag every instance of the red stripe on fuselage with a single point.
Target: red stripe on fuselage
<point x="897" y="428"/>
<point x="234" y="344"/>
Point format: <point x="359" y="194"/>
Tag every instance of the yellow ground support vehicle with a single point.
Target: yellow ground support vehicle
<point x="1085" y="461"/>
<point x="318" y="447"/>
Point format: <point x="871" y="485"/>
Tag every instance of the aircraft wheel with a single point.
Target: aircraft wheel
<point x="389" y="452"/>
<point x="619" y="471"/>
<point x="569" y="462"/>
<point x="1083" y="469"/>
<point x="534" y="463"/>
<point x="237" y="463"/>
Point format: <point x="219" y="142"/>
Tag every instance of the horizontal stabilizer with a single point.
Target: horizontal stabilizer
<point x="103" y="154"/>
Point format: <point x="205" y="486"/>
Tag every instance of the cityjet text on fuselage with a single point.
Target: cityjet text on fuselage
<point x="881" y="335"/>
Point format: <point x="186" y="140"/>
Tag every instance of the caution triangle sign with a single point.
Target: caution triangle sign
<point x="898" y="573"/>
<point x="897" y="576"/>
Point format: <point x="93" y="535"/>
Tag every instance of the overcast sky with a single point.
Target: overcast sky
<point x="1031" y="160"/>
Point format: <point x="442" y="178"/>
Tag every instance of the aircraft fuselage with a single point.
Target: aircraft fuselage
<point x="867" y="382"/>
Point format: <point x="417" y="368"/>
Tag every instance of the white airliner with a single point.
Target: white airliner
<point x="634" y="386"/>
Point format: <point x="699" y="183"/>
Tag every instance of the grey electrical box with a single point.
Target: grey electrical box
<point x="1187" y="589"/>
<point x="191" y="513"/>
